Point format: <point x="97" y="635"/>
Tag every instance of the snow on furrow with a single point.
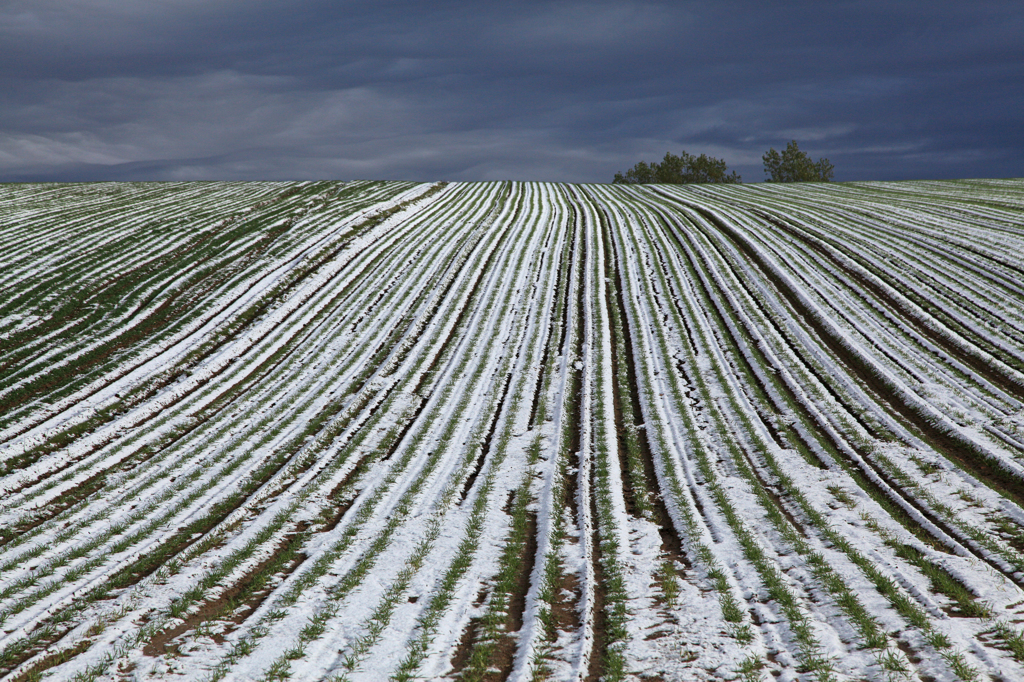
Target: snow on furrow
<point x="267" y="351"/>
<point x="514" y="431"/>
<point x="743" y="499"/>
<point x="554" y="400"/>
<point x="969" y="312"/>
<point x="726" y="288"/>
<point x="886" y="243"/>
<point x="228" y="356"/>
<point x="903" y="434"/>
<point x="899" y="351"/>
<point x="430" y="506"/>
<point x="763" y="437"/>
<point x="928" y="388"/>
<point x="656" y="364"/>
<point x="341" y="529"/>
<point x="141" y="251"/>
<point x="876" y="368"/>
<point x="927" y="319"/>
<point x="156" y="360"/>
<point x="49" y="231"/>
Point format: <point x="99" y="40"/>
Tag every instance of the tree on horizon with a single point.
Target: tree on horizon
<point x="678" y="170"/>
<point x="793" y="165"/>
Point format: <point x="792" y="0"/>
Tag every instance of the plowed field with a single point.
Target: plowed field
<point x="526" y="431"/>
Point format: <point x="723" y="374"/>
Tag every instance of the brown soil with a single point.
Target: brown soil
<point x="460" y="658"/>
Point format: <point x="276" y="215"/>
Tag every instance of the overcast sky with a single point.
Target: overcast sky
<point x="482" y="90"/>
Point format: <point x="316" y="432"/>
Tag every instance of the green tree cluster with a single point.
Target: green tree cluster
<point x="793" y="165"/>
<point x="678" y="170"/>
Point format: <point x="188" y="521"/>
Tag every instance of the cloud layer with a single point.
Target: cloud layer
<point x="570" y="91"/>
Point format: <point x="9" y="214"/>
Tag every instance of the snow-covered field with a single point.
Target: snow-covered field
<point x="488" y="431"/>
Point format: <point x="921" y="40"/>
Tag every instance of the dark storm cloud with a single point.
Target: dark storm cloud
<point x="183" y="89"/>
